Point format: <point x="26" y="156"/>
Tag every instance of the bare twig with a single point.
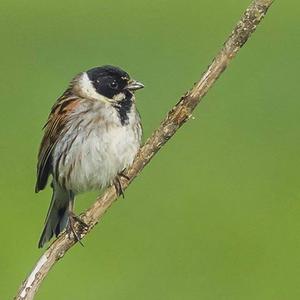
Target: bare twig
<point x="176" y="117"/>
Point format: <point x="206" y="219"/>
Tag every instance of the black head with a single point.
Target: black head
<point x="110" y="81"/>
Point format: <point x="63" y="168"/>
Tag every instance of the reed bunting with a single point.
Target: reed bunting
<point x="92" y="134"/>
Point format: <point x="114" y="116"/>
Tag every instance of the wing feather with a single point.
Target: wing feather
<point x="54" y="128"/>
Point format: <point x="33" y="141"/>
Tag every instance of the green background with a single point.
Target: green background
<point x="216" y="214"/>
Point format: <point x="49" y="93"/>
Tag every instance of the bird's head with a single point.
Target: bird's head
<point x="106" y="83"/>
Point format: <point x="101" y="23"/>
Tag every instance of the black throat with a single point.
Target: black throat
<point x="123" y="108"/>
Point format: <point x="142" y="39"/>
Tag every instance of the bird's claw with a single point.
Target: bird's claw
<point x="118" y="186"/>
<point x="76" y="226"/>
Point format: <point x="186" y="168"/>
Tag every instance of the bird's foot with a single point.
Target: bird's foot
<point x="76" y="226"/>
<point x="118" y="185"/>
<point x="121" y="174"/>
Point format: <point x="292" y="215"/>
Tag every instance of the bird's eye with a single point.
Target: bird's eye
<point x="113" y="85"/>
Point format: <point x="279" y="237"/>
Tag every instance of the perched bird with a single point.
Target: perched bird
<point x="92" y="134"/>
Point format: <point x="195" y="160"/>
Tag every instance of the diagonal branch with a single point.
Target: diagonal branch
<point x="176" y="117"/>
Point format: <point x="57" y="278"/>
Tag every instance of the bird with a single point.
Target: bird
<point x="92" y="134"/>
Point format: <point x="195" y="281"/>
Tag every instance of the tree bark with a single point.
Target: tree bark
<point x="176" y="117"/>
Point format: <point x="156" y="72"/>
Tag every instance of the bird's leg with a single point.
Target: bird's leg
<point x="121" y="174"/>
<point x="72" y="220"/>
<point x="118" y="186"/>
<point x="71" y="229"/>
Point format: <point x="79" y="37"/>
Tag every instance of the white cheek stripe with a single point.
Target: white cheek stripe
<point x="87" y="90"/>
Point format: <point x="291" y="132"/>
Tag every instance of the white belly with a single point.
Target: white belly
<point x="98" y="154"/>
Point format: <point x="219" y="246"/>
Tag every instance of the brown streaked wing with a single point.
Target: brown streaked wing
<point x="54" y="127"/>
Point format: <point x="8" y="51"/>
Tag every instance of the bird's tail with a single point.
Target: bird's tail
<point x="58" y="214"/>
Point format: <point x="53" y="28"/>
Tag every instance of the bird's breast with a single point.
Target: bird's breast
<point x="96" y="147"/>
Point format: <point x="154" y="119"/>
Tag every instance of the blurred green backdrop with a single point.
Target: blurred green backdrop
<point x="216" y="215"/>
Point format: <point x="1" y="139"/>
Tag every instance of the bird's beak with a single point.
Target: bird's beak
<point x="134" y="85"/>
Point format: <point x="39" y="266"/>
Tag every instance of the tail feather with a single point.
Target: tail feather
<point x="57" y="216"/>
